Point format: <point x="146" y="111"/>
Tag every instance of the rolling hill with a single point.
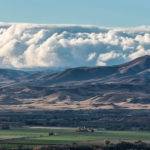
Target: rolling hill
<point x="125" y="86"/>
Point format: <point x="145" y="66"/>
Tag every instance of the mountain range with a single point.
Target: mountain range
<point x="125" y="86"/>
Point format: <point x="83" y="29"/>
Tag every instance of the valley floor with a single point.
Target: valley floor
<point x="36" y="136"/>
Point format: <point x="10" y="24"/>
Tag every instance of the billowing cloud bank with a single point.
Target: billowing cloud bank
<point x="30" y="46"/>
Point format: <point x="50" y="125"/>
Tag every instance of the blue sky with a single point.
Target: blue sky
<point x="96" y="12"/>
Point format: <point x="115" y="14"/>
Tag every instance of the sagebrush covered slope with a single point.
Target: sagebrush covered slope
<point x="122" y="86"/>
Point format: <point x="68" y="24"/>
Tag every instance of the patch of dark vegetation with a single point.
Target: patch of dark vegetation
<point x="139" y="145"/>
<point x="115" y="119"/>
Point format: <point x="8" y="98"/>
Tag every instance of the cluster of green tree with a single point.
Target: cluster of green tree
<point x="106" y="119"/>
<point x="139" y="145"/>
<point x="107" y="146"/>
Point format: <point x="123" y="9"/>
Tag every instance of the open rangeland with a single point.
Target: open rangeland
<point x="53" y="135"/>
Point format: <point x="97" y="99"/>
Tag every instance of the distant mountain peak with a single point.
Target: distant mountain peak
<point x="137" y="65"/>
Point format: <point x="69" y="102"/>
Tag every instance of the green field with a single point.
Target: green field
<point x="40" y="136"/>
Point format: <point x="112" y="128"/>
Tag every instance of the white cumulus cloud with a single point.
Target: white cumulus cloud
<point x="33" y="45"/>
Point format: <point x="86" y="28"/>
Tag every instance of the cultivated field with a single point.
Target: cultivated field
<point x="40" y="136"/>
